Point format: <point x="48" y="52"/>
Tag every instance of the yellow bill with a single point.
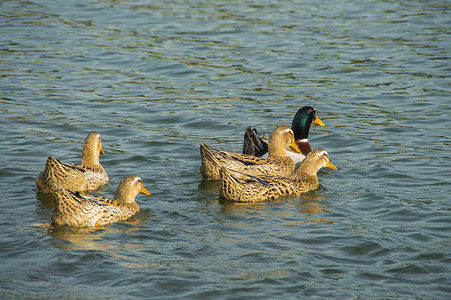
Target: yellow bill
<point x="318" y="121"/>
<point x="144" y="191"/>
<point x="101" y="151"/>
<point x="330" y="165"/>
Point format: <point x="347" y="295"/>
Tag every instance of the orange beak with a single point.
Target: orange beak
<point x="318" y="121"/>
<point x="144" y="191"/>
<point x="330" y="165"/>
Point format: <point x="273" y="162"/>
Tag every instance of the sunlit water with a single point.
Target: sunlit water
<point x="155" y="78"/>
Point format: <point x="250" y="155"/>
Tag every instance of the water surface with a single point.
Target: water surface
<point x="155" y="78"/>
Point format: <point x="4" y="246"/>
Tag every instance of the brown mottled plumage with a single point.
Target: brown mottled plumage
<point x="88" y="175"/>
<point x="77" y="210"/>
<point x="263" y="188"/>
<point x="278" y="163"/>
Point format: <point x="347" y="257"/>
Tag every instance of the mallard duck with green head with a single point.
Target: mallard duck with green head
<point x="278" y="162"/>
<point x="74" y="209"/>
<point x="241" y="187"/>
<point x="88" y="175"/>
<point x="302" y="121"/>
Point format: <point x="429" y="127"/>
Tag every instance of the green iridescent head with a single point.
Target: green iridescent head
<point x="304" y="118"/>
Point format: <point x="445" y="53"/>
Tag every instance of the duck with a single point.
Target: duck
<point x="252" y="188"/>
<point x="277" y="163"/>
<point x="302" y="121"/>
<point x="87" y="176"/>
<point x="77" y="210"/>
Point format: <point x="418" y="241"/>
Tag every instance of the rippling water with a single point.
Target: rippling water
<point x="157" y="77"/>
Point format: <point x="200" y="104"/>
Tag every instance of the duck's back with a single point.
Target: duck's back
<point x="73" y="209"/>
<point x="58" y="174"/>
<point x="70" y="176"/>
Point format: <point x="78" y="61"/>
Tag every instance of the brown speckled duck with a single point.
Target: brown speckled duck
<point x="263" y="188"/>
<point x="278" y="163"/>
<point x="88" y="175"/>
<point x="302" y="121"/>
<point x="74" y="209"/>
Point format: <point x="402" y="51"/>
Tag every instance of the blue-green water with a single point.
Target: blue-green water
<point x="155" y="78"/>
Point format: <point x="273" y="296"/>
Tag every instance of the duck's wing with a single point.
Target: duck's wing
<point x="243" y="159"/>
<point x="73" y="209"/>
<point x="101" y="200"/>
<point x="213" y="159"/>
<point x="240" y="187"/>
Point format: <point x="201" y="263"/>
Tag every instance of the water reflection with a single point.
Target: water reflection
<point x="99" y="241"/>
<point x="46" y="199"/>
<point x="174" y="73"/>
<point x="209" y="187"/>
<point x="103" y="239"/>
<point x="314" y="210"/>
<point x="308" y="204"/>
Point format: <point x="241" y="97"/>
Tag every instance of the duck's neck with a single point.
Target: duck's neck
<point x="274" y="152"/>
<point x="305" y="169"/>
<point x="90" y="158"/>
<point x="123" y="197"/>
<point x="304" y="146"/>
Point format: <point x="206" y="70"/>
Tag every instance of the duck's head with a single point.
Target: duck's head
<point x="92" y="148"/>
<point x="303" y="120"/>
<point x="281" y="138"/>
<point x="129" y="187"/>
<point x="314" y="161"/>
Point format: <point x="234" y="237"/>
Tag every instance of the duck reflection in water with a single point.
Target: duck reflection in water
<point x="308" y="206"/>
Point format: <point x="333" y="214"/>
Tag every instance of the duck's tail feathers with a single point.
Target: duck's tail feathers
<point x="231" y="187"/>
<point x="53" y="169"/>
<point x="253" y="144"/>
<point x="206" y="152"/>
<point x="65" y="197"/>
<point x="57" y="169"/>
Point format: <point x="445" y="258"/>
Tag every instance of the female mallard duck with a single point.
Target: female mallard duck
<point x="302" y="121"/>
<point x="74" y="209"/>
<point x="88" y="175"/>
<point x="277" y="164"/>
<point x="252" y="188"/>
